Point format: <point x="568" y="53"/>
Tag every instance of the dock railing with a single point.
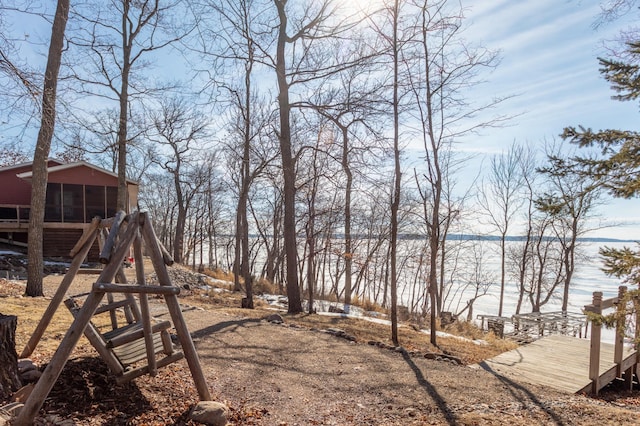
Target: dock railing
<point x="626" y="366"/>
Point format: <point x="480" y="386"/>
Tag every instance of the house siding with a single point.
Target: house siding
<point x="69" y="205"/>
<point x="59" y="242"/>
<point x="15" y="190"/>
<point x="83" y="175"/>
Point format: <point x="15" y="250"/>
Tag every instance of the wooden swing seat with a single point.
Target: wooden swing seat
<point x="124" y="346"/>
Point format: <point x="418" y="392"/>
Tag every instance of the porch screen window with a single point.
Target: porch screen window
<point x="72" y="203"/>
<point x="112" y="201"/>
<point x="95" y="201"/>
<point x="53" y="203"/>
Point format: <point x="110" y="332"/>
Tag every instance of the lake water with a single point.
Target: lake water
<point x="588" y="278"/>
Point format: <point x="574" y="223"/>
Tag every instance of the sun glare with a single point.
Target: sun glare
<point x="359" y="8"/>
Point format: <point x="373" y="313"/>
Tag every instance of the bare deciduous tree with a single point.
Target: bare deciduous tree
<point x="178" y="127"/>
<point x="501" y="200"/>
<point x="115" y="40"/>
<point x="442" y="65"/>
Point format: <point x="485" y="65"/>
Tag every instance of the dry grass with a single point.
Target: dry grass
<point x="218" y="274"/>
<point x="368" y="305"/>
<point x="263" y="285"/>
<point x="30" y="310"/>
<point x="364" y="331"/>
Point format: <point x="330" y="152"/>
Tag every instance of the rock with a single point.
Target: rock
<point x="59" y="420"/>
<point x="30" y="376"/>
<point x="25" y="365"/>
<point x="336" y="310"/>
<point x="452" y="359"/>
<point x="210" y="413"/>
<point x="275" y="319"/>
<point x="431" y="355"/>
<point x="174" y="339"/>
<point x="183" y="278"/>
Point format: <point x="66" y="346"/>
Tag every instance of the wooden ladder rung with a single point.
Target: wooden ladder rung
<point x="135" y="288"/>
<point x="112" y="306"/>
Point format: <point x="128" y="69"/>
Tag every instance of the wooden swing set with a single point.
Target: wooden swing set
<point x="123" y="347"/>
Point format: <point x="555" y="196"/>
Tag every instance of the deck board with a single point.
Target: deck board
<point x="559" y="362"/>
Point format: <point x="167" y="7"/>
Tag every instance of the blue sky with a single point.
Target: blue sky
<point x="549" y="52"/>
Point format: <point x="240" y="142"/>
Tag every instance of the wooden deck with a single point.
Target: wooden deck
<point x="559" y="362"/>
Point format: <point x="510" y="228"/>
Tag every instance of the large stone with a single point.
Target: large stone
<point x="336" y="310"/>
<point x="25" y="364"/>
<point x="30" y="376"/>
<point x="210" y="413"/>
<point x="275" y="318"/>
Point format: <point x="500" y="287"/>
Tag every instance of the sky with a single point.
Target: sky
<point x="549" y="51"/>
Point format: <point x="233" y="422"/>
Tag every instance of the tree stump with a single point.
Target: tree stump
<point x="9" y="377"/>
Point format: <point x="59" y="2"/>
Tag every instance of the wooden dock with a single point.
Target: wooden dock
<point x="560" y="362"/>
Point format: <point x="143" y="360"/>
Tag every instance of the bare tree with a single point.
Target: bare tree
<point x="478" y="279"/>
<point x="443" y="65"/>
<point x="43" y="146"/>
<point x="519" y="258"/>
<point x="352" y="103"/>
<point x="19" y="81"/>
<point x="570" y="200"/>
<point x="12" y="154"/>
<point x="501" y="200"/>
<point x="114" y="57"/>
<point x="236" y="52"/>
<point x="296" y="62"/>
<point x="395" y="45"/>
<point x="178" y="127"/>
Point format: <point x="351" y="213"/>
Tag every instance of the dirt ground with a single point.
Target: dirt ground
<point x="279" y="374"/>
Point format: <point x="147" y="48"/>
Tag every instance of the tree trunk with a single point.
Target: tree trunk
<point x="395" y="202"/>
<point x="348" y="250"/>
<point x="503" y="256"/>
<point x="124" y="111"/>
<point x="9" y="378"/>
<point x="43" y="146"/>
<point x="288" y="167"/>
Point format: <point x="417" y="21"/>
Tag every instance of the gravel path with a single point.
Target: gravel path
<point x="301" y="377"/>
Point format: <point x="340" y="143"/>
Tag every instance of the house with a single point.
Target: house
<point x="76" y="193"/>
